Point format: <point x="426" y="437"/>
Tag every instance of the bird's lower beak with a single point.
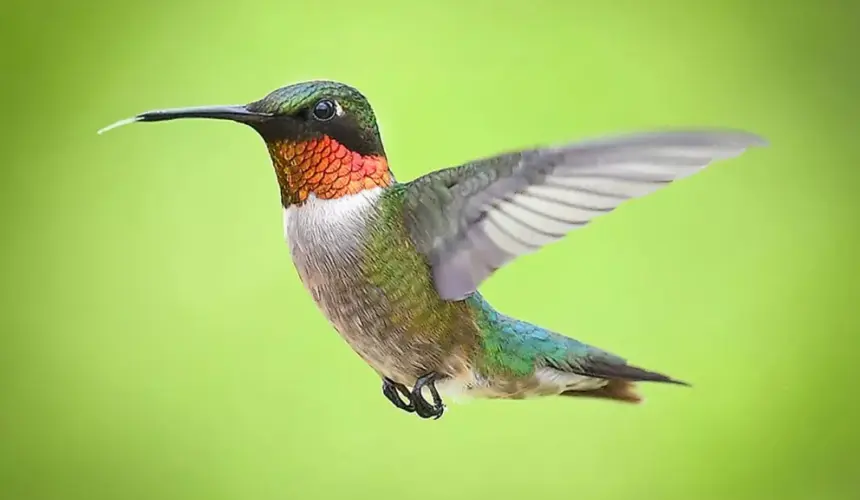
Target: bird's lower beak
<point x="238" y="113"/>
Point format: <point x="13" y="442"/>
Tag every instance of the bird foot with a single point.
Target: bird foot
<point x="392" y="390"/>
<point x="414" y="401"/>
<point x="422" y="407"/>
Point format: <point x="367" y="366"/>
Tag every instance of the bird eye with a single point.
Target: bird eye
<point x="324" y="110"/>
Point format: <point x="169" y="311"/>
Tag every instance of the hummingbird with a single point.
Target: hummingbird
<point x="395" y="267"/>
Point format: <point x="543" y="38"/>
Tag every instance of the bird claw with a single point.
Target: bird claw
<point x="415" y="402"/>
<point x="422" y="407"/>
<point x="392" y="390"/>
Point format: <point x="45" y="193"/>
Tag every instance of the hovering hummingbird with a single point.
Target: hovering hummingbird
<point x="395" y="267"/>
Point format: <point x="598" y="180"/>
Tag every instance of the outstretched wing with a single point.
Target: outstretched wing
<point x="473" y="219"/>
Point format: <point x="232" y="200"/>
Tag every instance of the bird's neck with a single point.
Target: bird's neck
<point x="324" y="168"/>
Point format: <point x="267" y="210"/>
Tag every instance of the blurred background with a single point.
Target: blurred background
<point x="157" y="344"/>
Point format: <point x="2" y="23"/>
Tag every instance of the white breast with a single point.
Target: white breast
<point x="318" y="224"/>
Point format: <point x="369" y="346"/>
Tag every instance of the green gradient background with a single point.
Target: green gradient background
<point x="157" y="344"/>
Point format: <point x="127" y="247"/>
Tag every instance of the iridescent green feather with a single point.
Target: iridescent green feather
<point x="514" y="347"/>
<point x="291" y="99"/>
<point x="402" y="279"/>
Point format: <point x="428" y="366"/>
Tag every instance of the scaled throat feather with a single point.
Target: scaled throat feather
<point x="325" y="168"/>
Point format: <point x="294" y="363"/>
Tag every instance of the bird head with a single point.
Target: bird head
<point x="322" y="137"/>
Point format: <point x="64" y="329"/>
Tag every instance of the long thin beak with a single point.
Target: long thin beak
<point x="237" y="113"/>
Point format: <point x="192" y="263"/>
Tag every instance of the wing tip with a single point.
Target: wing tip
<point x="744" y="138"/>
<point x="751" y="139"/>
<point x="732" y="136"/>
<point x="728" y="137"/>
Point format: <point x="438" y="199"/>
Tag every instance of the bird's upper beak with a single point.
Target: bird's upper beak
<point x="236" y="113"/>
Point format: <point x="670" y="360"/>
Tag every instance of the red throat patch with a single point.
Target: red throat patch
<point x="325" y="168"/>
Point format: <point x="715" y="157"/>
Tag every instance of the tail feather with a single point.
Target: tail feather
<point x="617" y="390"/>
<point x="622" y="380"/>
<point x="616" y="368"/>
<point x="516" y="342"/>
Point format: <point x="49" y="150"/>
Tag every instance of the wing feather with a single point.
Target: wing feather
<point x="473" y="219"/>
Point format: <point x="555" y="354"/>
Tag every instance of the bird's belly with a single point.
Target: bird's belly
<point x="375" y="329"/>
<point x="544" y="382"/>
<point x="393" y="326"/>
<point x="358" y="314"/>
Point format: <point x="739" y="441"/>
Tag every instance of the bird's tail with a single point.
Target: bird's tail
<point x="622" y="380"/>
<point x="617" y="390"/>
<point x="527" y="344"/>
